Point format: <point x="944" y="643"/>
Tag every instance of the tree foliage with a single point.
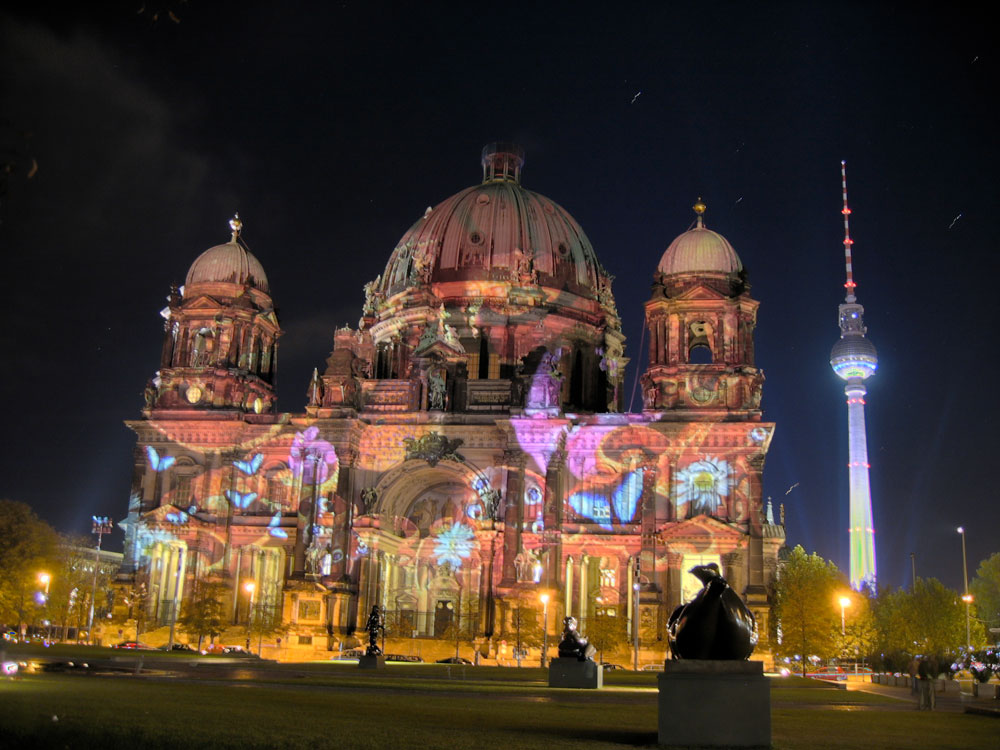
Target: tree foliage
<point x="928" y="620"/>
<point x="204" y="614"/>
<point x="607" y="633"/>
<point x="27" y="547"/>
<point x="805" y="614"/>
<point x="985" y="587"/>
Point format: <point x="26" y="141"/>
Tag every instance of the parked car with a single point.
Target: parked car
<point x="403" y="658"/>
<point x="353" y="653"/>
<point x="656" y="666"/>
<point x="178" y="647"/>
<point x="133" y="646"/>
<point x="239" y="651"/>
<point x="608" y="666"/>
<point x="64" y="666"/>
<point x="833" y="674"/>
<point x="454" y="660"/>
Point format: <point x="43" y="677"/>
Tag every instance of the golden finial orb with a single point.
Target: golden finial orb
<point x="236" y="225"/>
<point x="699" y="209"/>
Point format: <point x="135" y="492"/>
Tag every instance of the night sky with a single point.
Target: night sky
<point x="330" y="127"/>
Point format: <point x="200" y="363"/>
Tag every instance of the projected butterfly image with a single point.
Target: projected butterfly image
<point x="604" y="512"/>
<point x="250" y="466"/>
<point x="702" y="485"/>
<point x="177" y="517"/>
<point x="239" y="499"/>
<point x="157" y="462"/>
<point x="274" y="527"/>
<point x="453" y="544"/>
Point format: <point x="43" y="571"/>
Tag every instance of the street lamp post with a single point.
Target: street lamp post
<point x="250" y="587"/>
<point x="965" y="596"/>
<point x="45" y="579"/>
<point x="545" y="627"/>
<point x="845" y="602"/>
<point x="101" y="526"/>
<point x="635" y="626"/>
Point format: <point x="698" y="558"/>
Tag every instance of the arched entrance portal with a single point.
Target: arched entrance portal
<point x="429" y="551"/>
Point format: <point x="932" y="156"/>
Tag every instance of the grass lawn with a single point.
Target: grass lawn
<point x="365" y="711"/>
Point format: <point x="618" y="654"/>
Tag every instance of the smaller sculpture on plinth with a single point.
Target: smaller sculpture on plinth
<point x="376" y="622"/>
<point x="716" y="624"/>
<point x="574" y="645"/>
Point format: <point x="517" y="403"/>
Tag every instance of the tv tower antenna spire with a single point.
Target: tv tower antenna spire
<point x="850" y="285"/>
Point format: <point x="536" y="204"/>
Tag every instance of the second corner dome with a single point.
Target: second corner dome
<point x="229" y="263"/>
<point x="494" y="230"/>
<point x="700" y="250"/>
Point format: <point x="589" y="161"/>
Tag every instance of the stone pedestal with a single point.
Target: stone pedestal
<point x="573" y="673"/>
<point x="714" y="704"/>
<point x="371" y="662"/>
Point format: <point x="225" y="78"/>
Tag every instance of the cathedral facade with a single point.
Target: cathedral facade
<point x="464" y="452"/>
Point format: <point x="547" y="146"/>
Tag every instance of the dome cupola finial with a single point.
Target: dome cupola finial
<point x="699" y="209"/>
<point x="236" y="225"/>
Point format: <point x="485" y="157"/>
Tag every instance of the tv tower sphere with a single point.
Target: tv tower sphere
<point x="853" y="355"/>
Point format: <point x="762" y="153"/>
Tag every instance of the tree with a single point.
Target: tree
<point x="72" y="582"/>
<point x="929" y="620"/>
<point x="805" y="614"/>
<point x="205" y="613"/>
<point x="607" y="633"/>
<point x="525" y="628"/>
<point x="938" y="617"/>
<point x="27" y="548"/>
<point x="985" y="588"/>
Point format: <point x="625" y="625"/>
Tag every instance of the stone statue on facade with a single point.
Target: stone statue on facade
<point x="716" y="624"/>
<point x="436" y="387"/>
<point x="149" y="394"/>
<point x="369" y="498"/>
<point x="574" y="645"/>
<point x="372" y="296"/>
<point x="376" y="623"/>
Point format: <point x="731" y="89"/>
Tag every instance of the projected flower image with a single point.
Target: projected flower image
<point x="702" y="485"/>
<point x="453" y="544"/>
<point x="311" y="457"/>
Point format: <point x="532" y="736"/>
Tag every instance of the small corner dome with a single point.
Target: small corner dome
<point x="700" y="250"/>
<point x="229" y="263"/>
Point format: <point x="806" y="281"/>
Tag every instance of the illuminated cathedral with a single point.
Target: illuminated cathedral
<point x="464" y="450"/>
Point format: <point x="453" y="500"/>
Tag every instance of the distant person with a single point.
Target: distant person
<point x="911" y="669"/>
<point x="926" y="679"/>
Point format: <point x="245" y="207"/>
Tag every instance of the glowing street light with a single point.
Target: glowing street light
<point x="45" y="579"/>
<point x="966" y="597"/>
<point x="545" y="626"/>
<point x="250" y="587"/>
<point x="845" y="601"/>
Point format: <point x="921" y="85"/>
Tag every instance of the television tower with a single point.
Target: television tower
<point x="853" y="358"/>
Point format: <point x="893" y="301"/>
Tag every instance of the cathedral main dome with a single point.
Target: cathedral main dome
<point x="230" y="263"/>
<point x="496" y="231"/>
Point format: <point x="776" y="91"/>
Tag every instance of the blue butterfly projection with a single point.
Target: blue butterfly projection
<point x="178" y="517"/>
<point x="157" y="462"/>
<point x="624" y="501"/>
<point x="251" y="466"/>
<point x="240" y="500"/>
<point x="274" y="529"/>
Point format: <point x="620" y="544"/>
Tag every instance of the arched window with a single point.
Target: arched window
<point x="700" y="354"/>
